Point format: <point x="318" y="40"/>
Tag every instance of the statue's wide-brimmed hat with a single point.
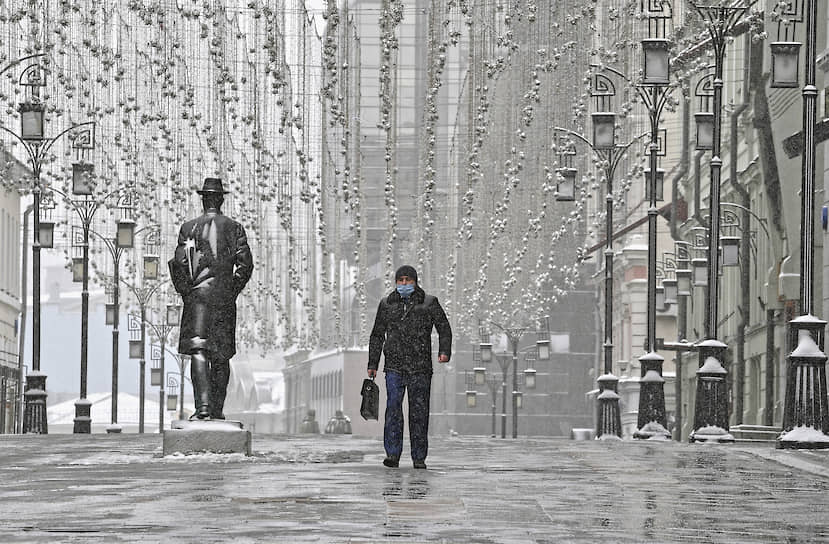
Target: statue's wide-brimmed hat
<point x="212" y="185"/>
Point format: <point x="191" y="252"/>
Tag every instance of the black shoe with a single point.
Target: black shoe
<point x="419" y="464"/>
<point x="217" y="416"/>
<point x="201" y="413"/>
<point x="392" y="462"/>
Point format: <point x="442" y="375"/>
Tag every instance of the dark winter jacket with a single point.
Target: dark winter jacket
<point x="403" y="333"/>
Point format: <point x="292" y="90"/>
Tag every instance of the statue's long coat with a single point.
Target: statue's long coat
<point x="210" y="267"/>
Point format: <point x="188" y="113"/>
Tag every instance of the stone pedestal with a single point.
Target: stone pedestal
<point x="652" y="421"/>
<point x="206" y="436"/>
<point x="83" y="417"/>
<point x="711" y="403"/>
<point x="608" y="419"/>
<point x="34" y="415"/>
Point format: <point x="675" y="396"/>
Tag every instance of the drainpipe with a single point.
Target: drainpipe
<point x="697" y="198"/>
<point x="682" y="309"/>
<point x="739" y="371"/>
<point x="683" y="164"/>
<point x="768" y="413"/>
<point x="18" y="398"/>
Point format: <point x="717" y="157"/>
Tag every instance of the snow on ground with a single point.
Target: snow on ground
<point x="61" y="417"/>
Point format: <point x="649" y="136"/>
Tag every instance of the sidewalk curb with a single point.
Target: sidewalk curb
<point x="807" y="461"/>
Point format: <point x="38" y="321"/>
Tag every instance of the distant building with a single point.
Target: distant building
<point x="331" y="381"/>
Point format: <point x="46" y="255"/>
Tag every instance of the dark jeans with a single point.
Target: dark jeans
<point x="418" y="387"/>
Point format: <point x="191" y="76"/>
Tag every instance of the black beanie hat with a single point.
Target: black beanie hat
<point x="406" y="270"/>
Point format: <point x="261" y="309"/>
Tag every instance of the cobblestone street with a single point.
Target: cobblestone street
<point x="109" y="488"/>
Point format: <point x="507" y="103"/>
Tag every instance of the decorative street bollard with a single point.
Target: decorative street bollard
<point x="711" y="416"/>
<point x="806" y="417"/>
<point x="609" y="418"/>
<point x="652" y="421"/>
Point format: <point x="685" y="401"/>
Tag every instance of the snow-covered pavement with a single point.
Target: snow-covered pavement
<point x="333" y="488"/>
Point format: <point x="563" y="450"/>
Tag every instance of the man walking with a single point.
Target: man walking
<point x="403" y="333"/>
<point x="210" y="267"/>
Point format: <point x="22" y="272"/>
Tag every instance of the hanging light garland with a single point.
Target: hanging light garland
<point x="391" y="15"/>
<point x="130" y="66"/>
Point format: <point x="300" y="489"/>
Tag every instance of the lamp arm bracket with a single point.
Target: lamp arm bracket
<point x="51" y="141"/>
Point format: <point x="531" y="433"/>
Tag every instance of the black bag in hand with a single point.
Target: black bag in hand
<point x="370" y="407"/>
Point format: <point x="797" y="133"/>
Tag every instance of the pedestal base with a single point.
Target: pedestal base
<point x="652" y="431"/>
<point x="34" y="414"/>
<point x="83" y="419"/>
<point x="803" y="438"/>
<point x="711" y="434"/>
<point x="206" y="436"/>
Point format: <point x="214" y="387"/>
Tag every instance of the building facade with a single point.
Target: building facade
<point x="11" y="298"/>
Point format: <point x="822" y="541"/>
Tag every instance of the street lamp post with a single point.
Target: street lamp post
<point x="654" y="90"/>
<point x="608" y="154"/>
<point x="37" y="146"/>
<point x="805" y="413"/>
<point x="514" y="335"/>
<point x="123" y="239"/>
<point x="711" y="406"/>
<point x="175" y="399"/>
<point x="86" y="210"/>
<point x="479" y="377"/>
<point x="162" y="331"/>
<point x="143" y="294"/>
<point x="172" y="387"/>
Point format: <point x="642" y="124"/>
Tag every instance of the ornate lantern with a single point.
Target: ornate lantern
<point x="31" y="120"/>
<point x="151" y="267"/>
<point x="126" y="233"/>
<point x="110" y="314"/>
<point x="656" y="61"/>
<point x="82" y="178"/>
<point x="529" y="377"/>
<point x="480" y="375"/>
<point x="136" y="349"/>
<point x="173" y="315"/>
<point x="486" y="352"/>
<point x="730" y="250"/>
<point x="46" y="231"/>
<point x="604" y="129"/>
<point x="705" y="130"/>
<point x="785" y="62"/>
<point x="519" y="399"/>
<point x="155" y="376"/>
<point x="566" y="187"/>
<point x="77" y="269"/>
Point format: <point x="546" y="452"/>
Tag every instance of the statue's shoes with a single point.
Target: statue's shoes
<point x="202" y="413"/>
<point x="217" y="416"/>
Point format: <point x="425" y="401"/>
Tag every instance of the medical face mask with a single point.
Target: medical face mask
<point x="405" y="289"/>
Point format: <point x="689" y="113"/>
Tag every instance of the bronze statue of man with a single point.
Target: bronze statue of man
<point x="210" y="267"/>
